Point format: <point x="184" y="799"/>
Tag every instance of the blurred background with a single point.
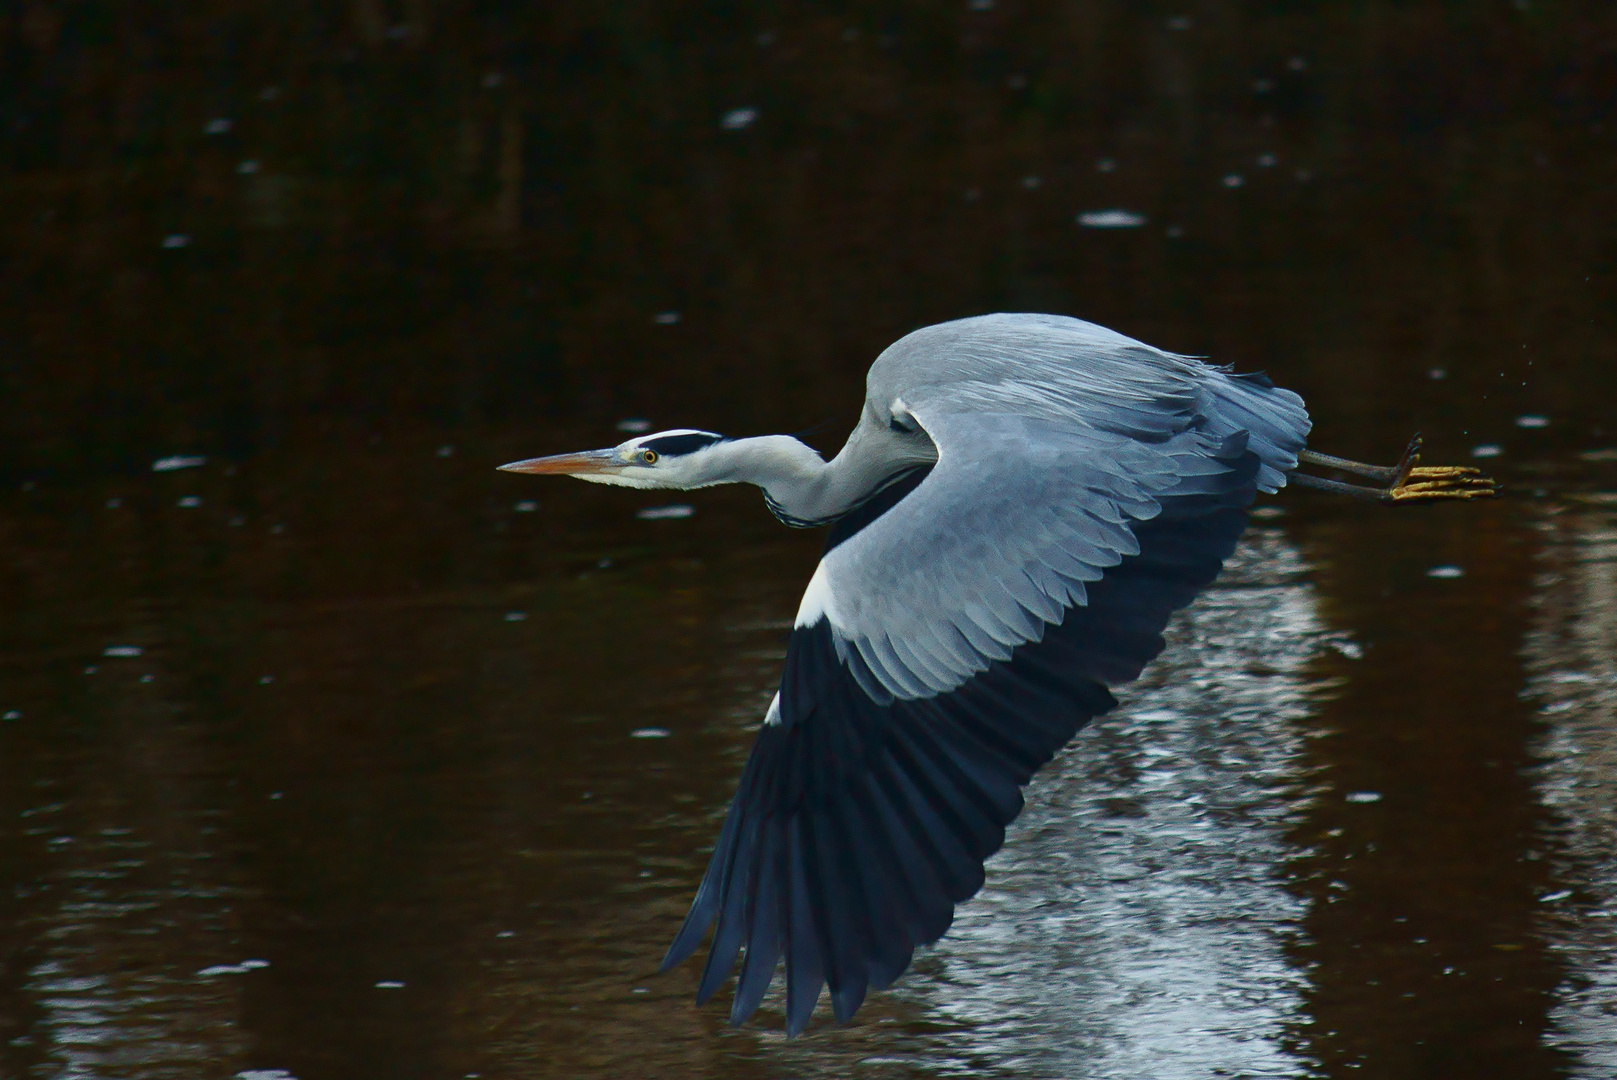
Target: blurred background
<point x="326" y="751"/>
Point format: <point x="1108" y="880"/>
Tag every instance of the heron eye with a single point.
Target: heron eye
<point x="649" y="456"/>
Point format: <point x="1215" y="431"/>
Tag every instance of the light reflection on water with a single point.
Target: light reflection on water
<point x="114" y="977"/>
<point x="1572" y="653"/>
<point x="1135" y="923"/>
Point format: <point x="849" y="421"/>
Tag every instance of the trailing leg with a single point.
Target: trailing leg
<point x="1406" y="482"/>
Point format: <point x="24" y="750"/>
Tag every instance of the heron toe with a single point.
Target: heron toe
<point x="1444" y="472"/>
<point x="1433" y="483"/>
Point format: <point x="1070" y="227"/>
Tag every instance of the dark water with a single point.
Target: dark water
<point x="367" y="801"/>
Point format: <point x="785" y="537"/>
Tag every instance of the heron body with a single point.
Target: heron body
<point x="1023" y="504"/>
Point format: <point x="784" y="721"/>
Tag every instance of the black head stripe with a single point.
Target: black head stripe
<point x="675" y="445"/>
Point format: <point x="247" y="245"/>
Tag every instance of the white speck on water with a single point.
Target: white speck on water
<point x="649" y="733"/>
<point x="1180" y="22"/>
<point x="1234" y="180"/>
<point x="671" y="512"/>
<point x="176" y="240"/>
<point x="122" y="650"/>
<point x="114" y="503"/>
<point x="1268" y="513"/>
<point x="148" y="677"/>
<point x="1438" y="373"/>
<point x="233" y="969"/>
<point x="1447" y="573"/>
<point x="1363" y="796"/>
<point x="1603" y="454"/>
<point x="189" y="502"/>
<point x="1487" y="450"/>
<point x="666" y="318"/>
<point x="1031" y="182"/>
<point x="516" y="616"/>
<point x="1559" y="894"/>
<point x="389" y="984"/>
<point x="634" y="425"/>
<point x="265" y="680"/>
<point x="265" y="1074"/>
<point x="275" y="795"/>
<point x="640" y="990"/>
<point x="1110" y="219"/>
<point x="1350" y="649"/>
<point x="603" y="564"/>
<point x="178" y="461"/>
<point x="526" y="506"/>
<point x="1532" y="420"/>
<point x="1106" y="164"/>
<point x="506" y="933"/>
<point x="248" y="167"/>
<point x="446" y="450"/>
<point x="12" y="714"/>
<point x="739" y="119"/>
<point x="1267" y="161"/>
<point x="219" y="125"/>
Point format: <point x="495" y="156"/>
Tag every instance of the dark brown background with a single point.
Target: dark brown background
<point x="459" y="225"/>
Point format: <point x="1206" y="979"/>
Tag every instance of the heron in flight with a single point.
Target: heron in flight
<point x="1024" y="502"/>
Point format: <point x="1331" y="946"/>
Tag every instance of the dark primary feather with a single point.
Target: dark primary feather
<point x="858" y="826"/>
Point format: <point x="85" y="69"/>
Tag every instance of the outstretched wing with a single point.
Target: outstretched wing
<point x="962" y="625"/>
<point x="1020" y="516"/>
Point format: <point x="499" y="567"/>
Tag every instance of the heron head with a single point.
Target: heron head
<point x="666" y="459"/>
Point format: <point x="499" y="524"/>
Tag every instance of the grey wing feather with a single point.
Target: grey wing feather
<point x="1054" y="438"/>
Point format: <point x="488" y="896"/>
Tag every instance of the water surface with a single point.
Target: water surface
<point x="334" y="753"/>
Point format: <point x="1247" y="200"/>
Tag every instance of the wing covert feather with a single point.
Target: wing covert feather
<point x="993" y="546"/>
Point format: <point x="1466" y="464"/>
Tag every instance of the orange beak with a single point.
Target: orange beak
<point x="586" y="463"/>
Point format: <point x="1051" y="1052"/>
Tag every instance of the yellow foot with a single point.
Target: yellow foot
<point x="1433" y="482"/>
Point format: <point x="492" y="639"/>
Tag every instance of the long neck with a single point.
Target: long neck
<point x="801" y="487"/>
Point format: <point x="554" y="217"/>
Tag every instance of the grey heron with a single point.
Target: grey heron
<point x="1022" y="505"/>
